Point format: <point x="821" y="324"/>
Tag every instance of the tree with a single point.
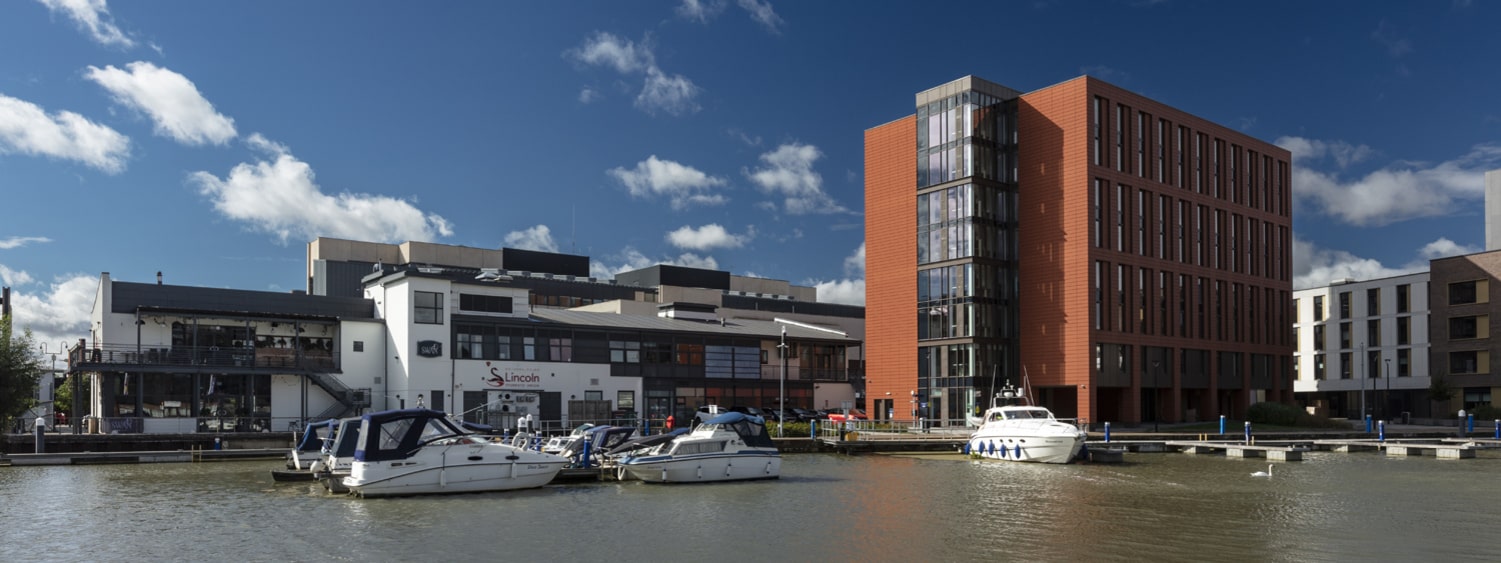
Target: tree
<point x="1438" y="389"/>
<point x="20" y="368"/>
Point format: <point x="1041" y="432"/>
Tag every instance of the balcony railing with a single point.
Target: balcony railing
<point x="205" y="356"/>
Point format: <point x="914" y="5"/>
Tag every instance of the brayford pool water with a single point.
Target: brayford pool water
<point x="1159" y="507"/>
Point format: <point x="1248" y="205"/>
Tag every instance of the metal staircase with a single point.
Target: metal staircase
<point x="346" y="399"/>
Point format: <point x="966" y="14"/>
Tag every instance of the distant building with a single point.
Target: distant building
<point x="1364" y="344"/>
<point x="1132" y="261"/>
<point x="453" y="328"/>
<point x="1465" y="326"/>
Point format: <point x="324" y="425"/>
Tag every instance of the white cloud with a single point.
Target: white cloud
<point x="588" y="96"/>
<point x="623" y="55"/>
<point x="849" y="291"/>
<point x="631" y="259"/>
<point x="669" y="93"/>
<point x="749" y="140"/>
<point x="278" y="196"/>
<point x="1307" y="151"/>
<point x="535" y="238"/>
<point x="763" y="14"/>
<point x="170" y="99"/>
<point x="92" y="16"/>
<point x="26" y="129"/>
<point x="18" y="242"/>
<point x="700" y="11"/>
<point x="1444" y="248"/>
<point x="1387" y="37"/>
<point x="708" y="237"/>
<point x="14" y="278"/>
<point x="685" y="186"/>
<point x="61" y="314"/>
<point x="1398" y="192"/>
<point x="1316" y="267"/>
<point x="788" y="171"/>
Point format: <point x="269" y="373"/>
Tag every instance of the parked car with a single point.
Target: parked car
<point x="803" y="415"/>
<point x="707" y="412"/>
<point x="755" y="411"/>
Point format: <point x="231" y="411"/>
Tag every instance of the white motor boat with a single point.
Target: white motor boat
<point x="310" y="448"/>
<point x="419" y="451"/>
<point x="1021" y="432"/>
<point x="729" y="447"/>
<point x="339" y="457"/>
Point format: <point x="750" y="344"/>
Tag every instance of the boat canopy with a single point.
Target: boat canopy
<point x="347" y="438"/>
<point x="395" y="434"/>
<point x="752" y="429"/>
<point x="316" y="433"/>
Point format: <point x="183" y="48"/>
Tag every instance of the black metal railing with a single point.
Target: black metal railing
<point x="315" y="359"/>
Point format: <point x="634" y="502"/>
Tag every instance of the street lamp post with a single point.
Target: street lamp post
<point x="1387" y="397"/>
<point x="782" y="383"/>
<point x="1364" y="373"/>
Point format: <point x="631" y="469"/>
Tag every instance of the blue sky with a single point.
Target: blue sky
<point x="213" y="140"/>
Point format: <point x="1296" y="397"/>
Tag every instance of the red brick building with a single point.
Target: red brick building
<point x="1130" y="260"/>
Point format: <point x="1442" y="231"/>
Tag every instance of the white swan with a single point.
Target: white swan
<point x="1267" y="473"/>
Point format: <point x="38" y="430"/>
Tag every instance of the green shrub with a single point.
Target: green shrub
<point x="1278" y="414"/>
<point x="1486" y="412"/>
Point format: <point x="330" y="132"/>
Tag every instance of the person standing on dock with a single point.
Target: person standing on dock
<point x="670" y="421"/>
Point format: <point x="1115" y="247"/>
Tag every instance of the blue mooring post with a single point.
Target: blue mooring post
<point x="1381" y="431"/>
<point x="1222" y="425"/>
<point x="1498" y="429"/>
<point x="587" y="443"/>
<point x="1248" y="431"/>
<point x="813" y="428"/>
<point x="1368" y="424"/>
<point x="1469" y="423"/>
<point x="1107" y="432"/>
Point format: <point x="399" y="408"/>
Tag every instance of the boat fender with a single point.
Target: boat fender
<point x="727" y="469"/>
<point x="768" y="468"/>
<point x="513" y="457"/>
<point x="475" y="458"/>
<point x="1018" y="451"/>
<point x="700" y="472"/>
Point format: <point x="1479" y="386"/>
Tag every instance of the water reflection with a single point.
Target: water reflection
<point x="826" y="507"/>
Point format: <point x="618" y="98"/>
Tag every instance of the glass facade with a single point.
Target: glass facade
<point x="966" y="251"/>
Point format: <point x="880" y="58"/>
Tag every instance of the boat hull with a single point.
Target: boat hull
<point x="460" y="469"/>
<point x="1039" y="449"/>
<point x="742" y="466"/>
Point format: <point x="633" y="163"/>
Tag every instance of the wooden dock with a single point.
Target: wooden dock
<point x="1278" y="452"/>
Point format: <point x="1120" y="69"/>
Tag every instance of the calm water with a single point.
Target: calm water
<point x="1333" y="507"/>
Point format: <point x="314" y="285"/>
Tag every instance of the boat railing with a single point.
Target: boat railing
<point x="912" y="429"/>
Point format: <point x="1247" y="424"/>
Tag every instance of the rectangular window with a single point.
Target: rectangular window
<point x="560" y="349"/>
<point x="1318" y="308"/>
<point x="1345" y="371"/>
<point x="1373" y="301"/>
<point x="1404" y="362"/>
<point x="1462" y="293"/>
<point x="427" y="307"/>
<point x="1467" y="361"/>
<point x="1373" y="332"/>
<point x="1318" y="337"/>
<point x="1404" y="331"/>
<point x="625" y="352"/>
<point x="359" y="345"/>
<point x="484" y="303"/>
<point x="1344" y="336"/>
<point x="1344" y="305"/>
<point x="1318" y="367"/>
<point x="1402" y="297"/>
<point x="469" y="345"/>
<point x="625" y="400"/>
<point x="1461" y="328"/>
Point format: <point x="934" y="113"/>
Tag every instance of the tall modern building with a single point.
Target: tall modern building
<point x="1129" y="260"/>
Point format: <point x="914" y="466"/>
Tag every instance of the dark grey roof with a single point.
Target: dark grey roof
<point x="731" y="327"/>
<point x="127" y="297"/>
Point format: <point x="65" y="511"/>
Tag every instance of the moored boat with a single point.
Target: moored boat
<point x="309" y="449"/>
<point x="1013" y="430"/>
<point x="339" y="457"/>
<point x="729" y="447"/>
<point x="420" y="451"/>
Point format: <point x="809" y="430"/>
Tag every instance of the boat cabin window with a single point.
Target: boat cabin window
<point x="392" y="432"/>
<point x="686" y="448"/>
